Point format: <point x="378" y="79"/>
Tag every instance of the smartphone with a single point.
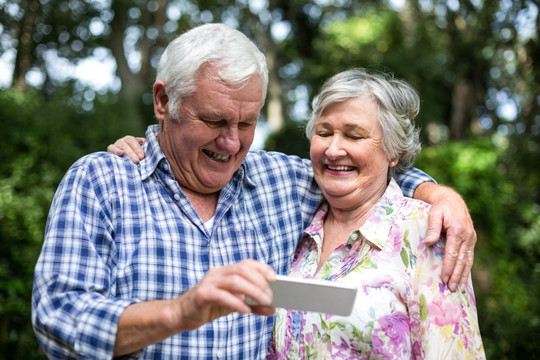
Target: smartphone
<point x="311" y="295"/>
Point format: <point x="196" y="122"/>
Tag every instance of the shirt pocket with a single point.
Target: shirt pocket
<point x="258" y="244"/>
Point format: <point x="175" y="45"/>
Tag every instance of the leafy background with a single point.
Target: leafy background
<point x="475" y="64"/>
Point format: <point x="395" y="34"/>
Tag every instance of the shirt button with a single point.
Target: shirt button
<point x="176" y="197"/>
<point x="166" y="167"/>
<point x="219" y="354"/>
<point x="354" y="236"/>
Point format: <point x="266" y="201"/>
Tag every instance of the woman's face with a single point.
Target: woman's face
<point x="349" y="163"/>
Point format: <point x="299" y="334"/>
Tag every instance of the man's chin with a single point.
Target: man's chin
<point x="216" y="183"/>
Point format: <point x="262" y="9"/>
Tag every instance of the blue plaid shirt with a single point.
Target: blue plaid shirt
<point x="120" y="233"/>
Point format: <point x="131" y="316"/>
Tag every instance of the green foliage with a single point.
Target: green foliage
<point x="501" y="188"/>
<point x="44" y="137"/>
<point x="27" y="182"/>
<point x="375" y="41"/>
<point x="291" y="139"/>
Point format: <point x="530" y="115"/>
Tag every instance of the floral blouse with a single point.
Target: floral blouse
<point x="402" y="309"/>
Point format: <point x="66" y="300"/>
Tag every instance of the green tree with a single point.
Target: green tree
<point x="45" y="137"/>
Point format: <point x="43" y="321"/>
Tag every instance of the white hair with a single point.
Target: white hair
<point x="232" y="55"/>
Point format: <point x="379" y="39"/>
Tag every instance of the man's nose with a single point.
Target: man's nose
<point x="229" y="140"/>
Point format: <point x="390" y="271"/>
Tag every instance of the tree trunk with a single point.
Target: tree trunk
<point x="409" y="16"/>
<point x="132" y="85"/>
<point x="274" y="98"/>
<point x="25" y="48"/>
<point x="461" y="96"/>
<point x="274" y="112"/>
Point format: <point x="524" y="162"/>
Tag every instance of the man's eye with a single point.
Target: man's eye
<point x="244" y="126"/>
<point x="213" y="124"/>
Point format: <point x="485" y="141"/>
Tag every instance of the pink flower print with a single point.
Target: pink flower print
<point x="318" y="221"/>
<point x="442" y="287"/>
<point x="418" y="351"/>
<point x="377" y="282"/>
<point x="444" y="312"/>
<point x="391" y="338"/>
<point x="341" y="349"/>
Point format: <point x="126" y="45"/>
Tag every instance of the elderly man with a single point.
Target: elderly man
<point x="154" y="260"/>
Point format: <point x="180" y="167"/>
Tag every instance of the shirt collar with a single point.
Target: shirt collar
<point x="377" y="227"/>
<point x="153" y="154"/>
<point x="243" y="174"/>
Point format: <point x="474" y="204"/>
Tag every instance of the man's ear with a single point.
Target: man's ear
<point x="161" y="101"/>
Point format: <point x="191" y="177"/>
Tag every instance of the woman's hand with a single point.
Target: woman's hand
<point x="130" y="146"/>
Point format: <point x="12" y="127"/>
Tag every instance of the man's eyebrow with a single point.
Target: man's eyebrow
<point x="212" y="115"/>
<point x="253" y="118"/>
<point x="217" y="116"/>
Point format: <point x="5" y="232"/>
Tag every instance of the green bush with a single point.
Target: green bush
<point x="42" y="138"/>
<point x="499" y="182"/>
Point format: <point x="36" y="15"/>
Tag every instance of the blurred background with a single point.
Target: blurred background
<point x="76" y="75"/>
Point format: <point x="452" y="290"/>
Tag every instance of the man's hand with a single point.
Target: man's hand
<point x="221" y="292"/>
<point x="130" y="146"/>
<point x="450" y="217"/>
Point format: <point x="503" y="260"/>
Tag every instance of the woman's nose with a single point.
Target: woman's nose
<point x="335" y="148"/>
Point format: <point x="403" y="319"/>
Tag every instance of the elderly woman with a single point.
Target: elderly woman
<point x="368" y="234"/>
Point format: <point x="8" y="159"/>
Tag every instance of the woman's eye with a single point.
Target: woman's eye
<point x="323" y="134"/>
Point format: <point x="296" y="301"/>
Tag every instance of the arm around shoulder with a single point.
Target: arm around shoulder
<point x="449" y="216"/>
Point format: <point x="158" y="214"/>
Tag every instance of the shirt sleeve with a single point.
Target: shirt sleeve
<point x="444" y="324"/>
<point x="409" y="180"/>
<point x="74" y="310"/>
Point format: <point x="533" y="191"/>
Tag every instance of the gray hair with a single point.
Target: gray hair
<point x="398" y="105"/>
<point x="234" y="57"/>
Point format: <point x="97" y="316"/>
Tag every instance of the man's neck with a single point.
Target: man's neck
<point x="204" y="204"/>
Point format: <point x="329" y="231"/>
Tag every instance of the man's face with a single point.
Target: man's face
<point x="209" y="137"/>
